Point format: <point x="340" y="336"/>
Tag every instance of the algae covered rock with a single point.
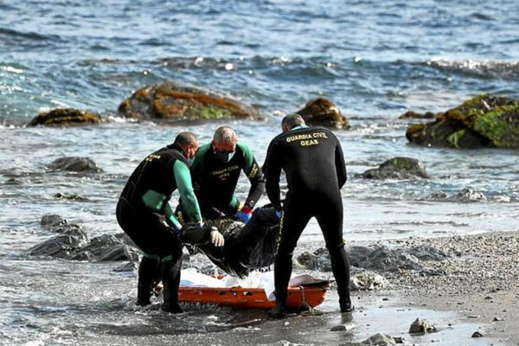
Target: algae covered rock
<point x="65" y="117"/>
<point x="398" y="168"/>
<point x="485" y="121"/>
<point x="323" y="112"/>
<point x="172" y="101"/>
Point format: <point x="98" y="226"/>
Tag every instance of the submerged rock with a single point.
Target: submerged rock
<point x="50" y="221"/>
<point x="65" y="117"/>
<point x="323" y="112"/>
<point x="74" y="164"/>
<point x="172" y="101"/>
<point x="398" y="168"/>
<point x="484" y="121"/>
<point x="464" y="196"/>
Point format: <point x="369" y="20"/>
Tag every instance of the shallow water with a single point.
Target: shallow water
<point x="374" y="62"/>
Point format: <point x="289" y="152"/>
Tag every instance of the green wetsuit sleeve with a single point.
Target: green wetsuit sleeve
<point x="185" y="189"/>
<point x="254" y="174"/>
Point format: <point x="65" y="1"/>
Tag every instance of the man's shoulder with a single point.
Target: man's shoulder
<point x="203" y="150"/>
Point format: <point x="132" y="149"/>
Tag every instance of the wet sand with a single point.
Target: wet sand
<point x="477" y="291"/>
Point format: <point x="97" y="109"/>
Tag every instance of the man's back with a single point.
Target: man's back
<point x="311" y="158"/>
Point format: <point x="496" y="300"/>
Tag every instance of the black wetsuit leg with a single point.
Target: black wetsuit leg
<point x="148" y="230"/>
<point x="296" y="215"/>
<point x="330" y="218"/>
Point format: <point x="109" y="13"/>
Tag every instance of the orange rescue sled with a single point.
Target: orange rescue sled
<point x="307" y="294"/>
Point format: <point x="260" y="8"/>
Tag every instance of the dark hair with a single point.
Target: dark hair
<point x="185" y="138"/>
<point x="292" y="120"/>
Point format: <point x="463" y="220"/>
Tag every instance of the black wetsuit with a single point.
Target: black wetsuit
<point x="143" y="211"/>
<point x="215" y="181"/>
<point x="313" y="162"/>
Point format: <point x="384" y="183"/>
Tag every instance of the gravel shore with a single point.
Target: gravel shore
<point x="478" y="279"/>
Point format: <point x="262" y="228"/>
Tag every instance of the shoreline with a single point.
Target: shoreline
<point x="479" y="282"/>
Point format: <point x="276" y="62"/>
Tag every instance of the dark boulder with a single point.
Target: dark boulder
<point x="485" y="121"/>
<point x="172" y="101"/>
<point x="74" y="164"/>
<point x="398" y="168"/>
<point x="106" y="248"/>
<point x="61" y="246"/>
<point x="323" y="112"/>
<point x="65" y="117"/>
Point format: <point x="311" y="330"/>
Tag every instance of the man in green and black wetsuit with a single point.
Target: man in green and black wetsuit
<point x="216" y="170"/>
<point x="313" y="162"/>
<point x="143" y="212"/>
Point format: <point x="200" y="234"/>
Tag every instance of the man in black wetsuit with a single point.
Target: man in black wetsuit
<point x="143" y="212"/>
<point x="313" y="162"/>
<point x="216" y="170"/>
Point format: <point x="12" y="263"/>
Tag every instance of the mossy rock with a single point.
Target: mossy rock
<point x="398" y="168"/>
<point x="172" y="101"/>
<point x="485" y="121"/>
<point x="323" y="112"/>
<point x="65" y="117"/>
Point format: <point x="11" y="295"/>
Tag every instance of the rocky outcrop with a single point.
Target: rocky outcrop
<point x="65" y="117"/>
<point x="323" y="112"/>
<point x="398" y="168"/>
<point x="172" y="101"/>
<point x="72" y="243"/>
<point x="485" y="121"/>
<point x="74" y="164"/>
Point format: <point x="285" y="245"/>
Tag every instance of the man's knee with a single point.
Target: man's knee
<point x="336" y="247"/>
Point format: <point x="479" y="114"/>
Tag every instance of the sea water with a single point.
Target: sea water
<point x="374" y="60"/>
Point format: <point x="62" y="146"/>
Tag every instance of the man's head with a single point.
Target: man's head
<point x="188" y="142"/>
<point x="290" y="121"/>
<point x="224" y="143"/>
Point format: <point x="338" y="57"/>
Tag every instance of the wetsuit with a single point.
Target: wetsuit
<point x="143" y="212"/>
<point x="313" y="162"/>
<point x="215" y="181"/>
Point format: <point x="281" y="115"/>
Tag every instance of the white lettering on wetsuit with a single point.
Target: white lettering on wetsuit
<point x="307" y="139"/>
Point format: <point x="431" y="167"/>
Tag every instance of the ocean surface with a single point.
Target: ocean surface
<point x="374" y="60"/>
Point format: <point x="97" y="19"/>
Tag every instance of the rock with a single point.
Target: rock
<point x="323" y="112"/>
<point x="485" y="121"/>
<point x="70" y="197"/>
<point x="468" y="195"/>
<point x="74" y="164"/>
<point x="343" y="327"/>
<point x="172" y="101"/>
<point x="478" y="334"/>
<point x="427" y="253"/>
<point x="106" y="248"/>
<point x="422" y="326"/>
<point x="384" y="259"/>
<point x="465" y="195"/>
<point x="65" y="117"/>
<point x="319" y="260"/>
<point x="50" y="221"/>
<point x="367" y="281"/>
<point x="62" y="245"/>
<point x="438" y="195"/>
<point x="126" y="267"/>
<point x="379" y="340"/>
<point x="398" y="168"/>
<point x="415" y="115"/>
